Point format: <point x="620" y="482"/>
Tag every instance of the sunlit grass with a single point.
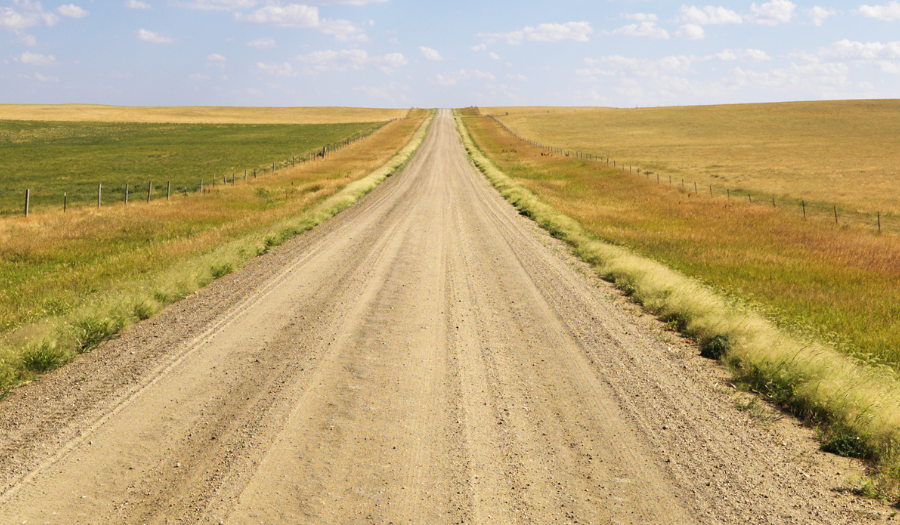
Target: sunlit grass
<point x="805" y="314"/>
<point x="71" y="280"/>
<point x="842" y="153"/>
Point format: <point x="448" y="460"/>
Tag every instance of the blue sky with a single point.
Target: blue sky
<point x="401" y="53"/>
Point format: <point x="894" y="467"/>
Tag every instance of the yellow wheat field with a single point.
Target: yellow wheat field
<point x="197" y="115"/>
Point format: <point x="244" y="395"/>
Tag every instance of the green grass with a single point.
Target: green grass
<point x="805" y="315"/>
<point x="53" y="158"/>
<point x="70" y="281"/>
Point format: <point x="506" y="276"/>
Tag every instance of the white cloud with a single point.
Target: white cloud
<point x="42" y="78"/>
<point x="773" y="13"/>
<point x="71" y="11"/>
<point x="708" y="15"/>
<point x="819" y="14"/>
<point x="262" y="43"/>
<point x="747" y="55"/>
<point x="137" y="4"/>
<point x="690" y="32"/>
<point x="215" y="57"/>
<point x="154" y="38"/>
<point x="644" y="29"/>
<point x="27" y="14"/>
<point x="641" y="17"/>
<point x="451" y="79"/>
<point x="278" y="70"/>
<point x="479" y="47"/>
<point x="349" y="60"/>
<point x="303" y="16"/>
<point x="577" y="31"/>
<point x="494" y="56"/>
<point x="521" y="77"/>
<point x="430" y="54"/>
<point x="846" y="49"/>
<point x="889" y="11"/>
<point x="218" y="5"/>
<point x="28" y="40"/>
<point x="36" y="59"/>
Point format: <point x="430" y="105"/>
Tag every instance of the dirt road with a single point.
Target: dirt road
<point x="428" y="356"/>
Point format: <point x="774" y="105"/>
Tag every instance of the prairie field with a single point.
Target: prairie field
<point x="69" y="280"/>
<point x="197" y="114"/>
<point x="843" y="153"/>
<point x="839" y="284"/>
<point x="56" y="158"/>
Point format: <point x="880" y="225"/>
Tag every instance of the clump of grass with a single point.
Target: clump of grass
<point x="43" y="357"/>
<point x="812" y="379"/>
<point x="89" y="332"/>
<point x="220" y="270"/>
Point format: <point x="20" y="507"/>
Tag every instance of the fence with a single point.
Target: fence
<point x="809" y="210"/>
<point x="124" y="193"/>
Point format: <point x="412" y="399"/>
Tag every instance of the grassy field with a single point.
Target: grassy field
<point x="843" y="153"/>
<point x="56" y="158"/>
<point x="70" y="280"/>
<point x="840" y="286"/>
<point x="197" y="115"/>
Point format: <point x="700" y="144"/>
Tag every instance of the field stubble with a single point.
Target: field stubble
<point x="71" y="280"/>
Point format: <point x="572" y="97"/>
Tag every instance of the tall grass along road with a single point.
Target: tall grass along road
<point x="428" y="356"/>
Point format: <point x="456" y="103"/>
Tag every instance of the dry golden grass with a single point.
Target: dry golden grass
<point x="198" y="114"/>
<point x="842" y="152"/>
<point x="690" y="259"/>
<point x="72" y="279"/>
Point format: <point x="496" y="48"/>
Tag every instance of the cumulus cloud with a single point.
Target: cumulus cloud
<point x="153" y="38"/>
<point x="690" y="32"/>
<point x="28" y="40"/>
<point x="889" y="11"/>
<point x="773" y="13"/>
<point x="644" y="29"/>
<point x="215" y="57"/>
<point x="71" y="11"/>
<point x="42" y="78"/>
<point x="641" y="17"/>
<point x="137" y="4"/>
<point x="451" y="79"/>
<point x="708" y="15"/>
<point x="747" y="55"/>
<point x="303" y="16"/>
<point x="819" y="14"/>
<point x="430" y="54"/>
<point x="218" y="5"/>
<point x="577" y="31"/>
<point x="349" y="60"/>
<point x="262" y="43"/>
<point x="278" y="70"/>
<point x="479" y="47"/>
<point x="26" y="14"/>
<point x="494" y="56"/>
<point x="36" y="59"/>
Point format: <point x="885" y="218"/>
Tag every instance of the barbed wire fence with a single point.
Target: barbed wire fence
<point x="122" y="194"/>
<point x="809" y="209"/>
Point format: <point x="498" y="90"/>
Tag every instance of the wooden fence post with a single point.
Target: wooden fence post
<point x="879" y="221"/>
<point x="201" y="186"/>
<point x="149" y="190"/>
<point x="804" y="208"/>
<point x="65" y="201"/>
<point x="27" y="201"/>
<point x="168" y="190"/>
<point x="126" y="193"/>
<point x="99" y="193"/>
<point x="835" y="214"/>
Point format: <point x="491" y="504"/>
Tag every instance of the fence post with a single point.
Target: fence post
<point x="879" y="221"/>
<point x="65" y="201"/>
<point x="99" y="193"/>
<point x="126" y="193"/>
<point x="749" y="198"/>
<point x="695" y="188"/>
<point x="245" y="175"/>
<point x="710" y="191"/>
<point x="27" y="201"/>
<point x="773" y="202"/>
<point x="201" y="186"/>
<point x="804" y="208"/>
<point x="168" y="190"/>
<point x="835" y="214"/>
<point x="149" y="190"/>
<point x="729" y="193"/>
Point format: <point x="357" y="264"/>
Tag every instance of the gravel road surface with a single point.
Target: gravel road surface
<point x="427" y="356"/>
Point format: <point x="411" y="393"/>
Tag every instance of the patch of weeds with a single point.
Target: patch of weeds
<point x="754" y="407"/>
<point x="221" y="270"/>
<point x="270" y="241"/>
<point x="715" y="347"/>
<point x="143" y="310"/>
<point x="674" y="321"/>
<point x="42" y="357"/>
<point x="846" y="443"/>
<point x="91" y="331"/>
